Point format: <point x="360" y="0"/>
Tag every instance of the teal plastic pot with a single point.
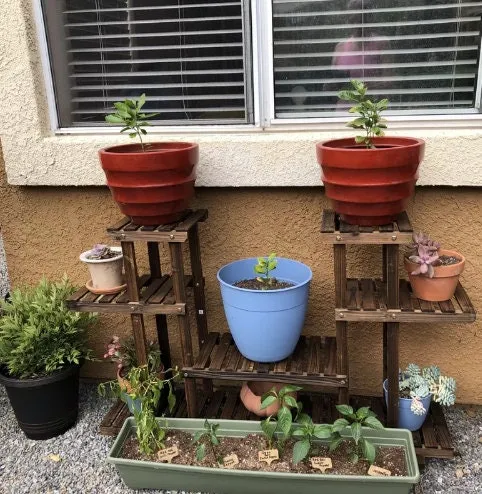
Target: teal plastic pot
<point x="151" y="475"/>
<point x="266" y="324"/>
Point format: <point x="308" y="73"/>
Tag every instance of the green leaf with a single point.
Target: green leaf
<point x="132" y="135"/>
<point x="360" y="139"/>
<point x="369" y="451"/>
<point x="335" y="443"/>
<point x="345" y="410"/>
<point x="348" y="96"/>
<point x="141" y="101"/>
<point x="214" y="440"/>
<point x="304" y="418"/>
<point x="353" y="457"/>
<point x="259" y="269"/>
<point x="197" y="436"/>
<point x="363" y="412"/>
<point x="290" y="401"/>
<point x="284" y="420"/>
<point x="373" y="423"/>
<point x="290" y="388"/>
<point x="114" y="119"/>
<point x="143" y="131"/>
<point x="323" y="431"/>
<point x="301" y="450"/>
<point x="269" y="400"/>
<point x="298" y="433"/>
<point x="121" y="107"/>
<point x="356" y="431"/>
<point x="268" y="428"/>
<point x="201" y="452"/>
<point x="171" y="400"/>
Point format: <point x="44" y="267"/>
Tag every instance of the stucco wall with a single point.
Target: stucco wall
<point x="45" y="229"/>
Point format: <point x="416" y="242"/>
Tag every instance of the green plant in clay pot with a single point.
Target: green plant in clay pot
<point x="152" y="182"/>
<point x="433" y="272"/>
<point x="42" y="346"/>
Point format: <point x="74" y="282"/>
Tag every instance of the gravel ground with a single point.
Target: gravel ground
<point x="26" y="466"/>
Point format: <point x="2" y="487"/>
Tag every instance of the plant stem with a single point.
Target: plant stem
<point x="140" y="138"/>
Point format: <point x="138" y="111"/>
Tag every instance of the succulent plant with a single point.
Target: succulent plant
<point x="426" y="258"/>
<point x="101" y="251"/>
<point x="423" y="239"/>
<point x="420" y="383"/>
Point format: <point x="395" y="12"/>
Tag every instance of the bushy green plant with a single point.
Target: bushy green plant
<point x="207" y="437"/>
<point x="360" y="447"/>
<point x="305" y="435"/>
<point x="418" y="383"/>
<point x="264" y="266"/>
<point x="128" y="113"/>
<point x="283" y="417"/>
<point x="369" y="120"/>
<point x="38" y="334"/>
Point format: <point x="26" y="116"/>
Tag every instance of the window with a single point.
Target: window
<point x="188" y="56"/>
<point x="194" y="59"/>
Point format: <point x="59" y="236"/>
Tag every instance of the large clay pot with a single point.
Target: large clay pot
<point x="153" y="186"/>
<point x="370" y="186"/>
<point x="444" y="282"/>
<point x="252" y="392"/>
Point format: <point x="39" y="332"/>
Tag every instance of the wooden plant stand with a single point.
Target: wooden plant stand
<point x="156" y="293"/>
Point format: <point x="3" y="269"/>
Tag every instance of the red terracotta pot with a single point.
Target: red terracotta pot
<point x="444" y="282"/>
<point x="370" y="186"/>
<point x="152" y="187"/>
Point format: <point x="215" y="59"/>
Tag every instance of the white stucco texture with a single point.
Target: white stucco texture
<point x="34" y="155"/>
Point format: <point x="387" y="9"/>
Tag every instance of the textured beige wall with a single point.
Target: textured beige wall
<point x="45" y="229"/>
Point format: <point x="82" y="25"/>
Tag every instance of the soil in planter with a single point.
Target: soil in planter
<point x="254" y="284"/>
<point x="447" y="261"/>
<point x="246" y="449"/>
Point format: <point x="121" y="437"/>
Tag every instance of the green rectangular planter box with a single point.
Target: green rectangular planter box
<point x="151" y="475"/>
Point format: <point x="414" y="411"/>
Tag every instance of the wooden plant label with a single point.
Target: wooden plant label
<point x="320" y="463"/>
<point x="230" y="461"/>
<point x="268" y="455"/>
<point x="378" y="471"/>
<point x="168" y="454"/>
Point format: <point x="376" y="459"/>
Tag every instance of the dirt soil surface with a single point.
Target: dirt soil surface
<point x="255" y="284"/>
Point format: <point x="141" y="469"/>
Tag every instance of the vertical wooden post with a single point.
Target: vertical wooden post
<point x="137" y="320"/>
<point x="392" y="335"/>
<point x="341" y="326"/>
<point x="177" y="267"/>
<point x="199" y="299"/>
<point x="161" y="319"/>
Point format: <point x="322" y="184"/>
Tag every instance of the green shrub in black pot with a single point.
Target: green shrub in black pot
<point x="42" y="346"/>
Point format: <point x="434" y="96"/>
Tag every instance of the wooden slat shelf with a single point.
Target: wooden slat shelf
<point x="125" y="230"/>
<point x="335" y="231"/>
<point x="366" y="301"/>
<point x="433" y="440"/>
<point x="156" y="298"/>
<point x="312" y="363"/>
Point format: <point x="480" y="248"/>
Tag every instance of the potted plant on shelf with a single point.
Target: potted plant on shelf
<point x="418" y="387"/>
<point x="433" y="272"/>
<point x="254" y="394"/>
<point x="105" y="267"/>
<point x="369" y="178"/>
<point x="134" y="381"/>
<point x="153" y="182"/>
<point x="355" y="454"/>
<point x="42" y="346"/>
<point x="265" y="314"/>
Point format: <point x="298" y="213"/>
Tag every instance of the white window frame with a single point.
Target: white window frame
<point x="263" y="94"/>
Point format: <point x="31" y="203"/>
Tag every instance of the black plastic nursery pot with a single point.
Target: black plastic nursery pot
<point x="45" y="407"/>
<point x="140" y="474"/>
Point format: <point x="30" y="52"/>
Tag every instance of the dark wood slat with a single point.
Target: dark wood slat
<point x="119" y="225"/>
<point x="120" y="419"/>
<point x="229" y="405"/>
<point x="148" y="228"/>
<point x="192" y="219"/>
<point x="89" y="297"/>
<point x="212" y="409"/>
<point x="447" y="307"/>
<point x="352" y="295"/>
<point x="153" y="286"/>
<point x="316" y="409"/>
<point x="366" y="229"/>
<point x="106" y="424"/>
<point x="77" y="295"/>
<point x="280" y="367"/>
<point x="440" y="425"/>
<point x="219" y="354"/>
<point x="131" y="227"/>
<point x="403" y="222"/>
<point x="328" y="221"/>
<point x="417" y="439"/>
<point x="232" y="362"/>
<point x="463" y="300"/>
<point x="386" y="228"/>
<point x="405" y="299"/>
<point x="241" y="413"/>
<point x="298" y="361"/>
<point x="428" y="433"/>
<point x="246" y="365"/>
<point x="376" y="405"/>
<point x="381" y="294"/>
<point x="314" y="362"/>
<point x="107" y="299"/>
<point x="262" y="367"/>
<point x="368" y="295"/>
<point x="347" y="228"/>
<point x="205" y="352"/>
<point x="124" y="297"/>
<point x="160" y="294"/>
<point x="181" y="412"/>
<point x="426" y="306"/>
<point x="331" y="368"/>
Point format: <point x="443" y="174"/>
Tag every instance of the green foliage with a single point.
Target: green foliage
<point x="305" y="435"/>
<point x="264" y="267"/>
<point x="207" y="437"/>
<point x="38" y="334"/>
<point x="363" y="417"/>
<point x="284" y="418"/>
<point x="369" y="120"/>
<point x="128" y="113"/>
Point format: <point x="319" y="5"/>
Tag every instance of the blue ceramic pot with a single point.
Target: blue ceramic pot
<point x="406" y="418"/>
<point x="266" y="324"/>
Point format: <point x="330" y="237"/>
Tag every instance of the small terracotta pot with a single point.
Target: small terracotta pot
<point x="442" y="286"/>
<point x="124" y="383"/>
<point x="251" y="393"/>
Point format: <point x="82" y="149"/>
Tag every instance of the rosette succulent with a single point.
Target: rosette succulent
<point x="426" y="257"/>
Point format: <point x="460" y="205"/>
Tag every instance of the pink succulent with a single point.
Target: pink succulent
<point x="426" y="258"/>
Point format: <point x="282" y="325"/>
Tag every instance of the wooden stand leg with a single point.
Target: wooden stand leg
<point x="391" y="335"/>
<point x="341" y="326"/>
<point x="137" y="320"/>
<point x="199" y="299"/>
<point x="161" y="319"/>
<point x="177" y="267"/>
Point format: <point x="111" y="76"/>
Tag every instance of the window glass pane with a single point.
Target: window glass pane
<point x="187" y="56"/>
<point x="422" y="55"/>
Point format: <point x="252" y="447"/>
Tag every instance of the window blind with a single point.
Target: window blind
<point x="189" y="57"/>
<point x="423" y="55"/>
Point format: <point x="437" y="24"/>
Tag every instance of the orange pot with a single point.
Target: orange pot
<point x="442" y="286"/>
<point x="251" y="393"/>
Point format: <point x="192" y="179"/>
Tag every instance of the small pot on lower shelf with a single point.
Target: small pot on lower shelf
<point x="444" y="282"/>
<point x="106" y="274"/>
<point x="252" y="392"/>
